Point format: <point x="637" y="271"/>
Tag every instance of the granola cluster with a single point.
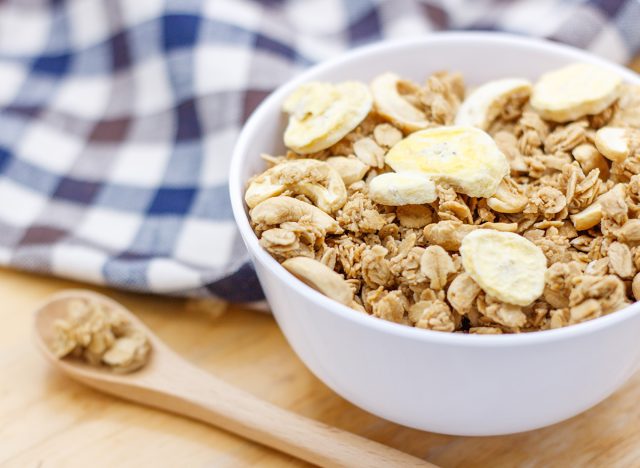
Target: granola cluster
<point x="98" y="335"/>
<point x="403" y="263"/>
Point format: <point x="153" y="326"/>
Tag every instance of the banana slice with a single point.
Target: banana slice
<point x="402" y="188"/>
<point x="615" y="142"/>
<point x="464" y="157"/>
<point x="486" y="102"/>
<point x="393" y="106"/>
<point x="505" y="265"/>
<point x="575" y="91"/>
<point x="321" y="114"/>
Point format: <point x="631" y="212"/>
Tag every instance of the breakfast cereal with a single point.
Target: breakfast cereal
<point x="513" y="209"/>
<point x="100" y="336"/>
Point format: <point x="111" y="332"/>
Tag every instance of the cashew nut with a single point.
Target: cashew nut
<point x="315" y="179"/>
<point x="321" y="278"/>
<point x="391" y="104"/>
<point x="350" y="169"/>
<point x="386" y="135"/>
<point x="508" y="198"/>
<point x="277" y="210"/>
<point x="462" y="293"/>
<point x="278" y="236"/>
<point x="590" y="158"/>
<point x="635" y="287"/>
<point x="630" y="232"/>
<point x="447" y="234"/>
<point x="369" y="152"/>
<point x="504" y="227"/>
<point x="587" y="218"/>
<point x="616" y="143"/>
<point x="592" y="214"/>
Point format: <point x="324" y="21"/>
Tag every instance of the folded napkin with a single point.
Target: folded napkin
<point x="118" y="118"/>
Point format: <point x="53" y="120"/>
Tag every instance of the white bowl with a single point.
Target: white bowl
<point x="448" y="383"/>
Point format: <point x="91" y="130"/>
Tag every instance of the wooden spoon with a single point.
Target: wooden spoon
<point x="169" y="382"/>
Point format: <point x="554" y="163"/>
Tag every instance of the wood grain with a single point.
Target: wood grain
<point x="170" y="383"/>
<point x="47" y="420"/>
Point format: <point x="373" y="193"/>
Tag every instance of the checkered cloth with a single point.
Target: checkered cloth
<point x="117" y="118"/>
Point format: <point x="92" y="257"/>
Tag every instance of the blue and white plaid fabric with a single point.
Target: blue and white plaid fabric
<point x="117" y="118"/>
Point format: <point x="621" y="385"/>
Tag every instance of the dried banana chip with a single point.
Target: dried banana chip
<point x="402" y="188"/>
<point x="575" y="91"/>
<point x="391" y="104"/>
<point x="505" y="265"/>
<point x="321" y="114"/>
<point x="464" y="157"/>
<point x="486" y="102"/>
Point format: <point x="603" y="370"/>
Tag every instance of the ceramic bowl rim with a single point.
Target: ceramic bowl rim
<point x="270" y="107"/>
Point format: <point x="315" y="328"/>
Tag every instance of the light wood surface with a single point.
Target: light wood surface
<point x="47" y="420"/>
<point x="168" y="382"/>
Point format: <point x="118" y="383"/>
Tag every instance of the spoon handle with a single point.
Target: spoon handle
<point x="216" y="402"/>
<point x="192" y="392"/>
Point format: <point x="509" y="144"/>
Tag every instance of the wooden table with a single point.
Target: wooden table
<point x="49" y="421"/>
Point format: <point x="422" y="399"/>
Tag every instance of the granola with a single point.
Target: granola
<point x="99" y="335"/>
<point x="379" y="217"/>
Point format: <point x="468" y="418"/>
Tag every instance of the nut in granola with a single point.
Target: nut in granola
<point x="317" y="180"/>
<point x="456" y="239"/>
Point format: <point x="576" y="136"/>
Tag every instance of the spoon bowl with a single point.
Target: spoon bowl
<point x="56" y="307"/>
<point x="170" y="383"/>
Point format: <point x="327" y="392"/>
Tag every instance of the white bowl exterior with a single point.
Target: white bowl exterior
<point x="447" y="383"/>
